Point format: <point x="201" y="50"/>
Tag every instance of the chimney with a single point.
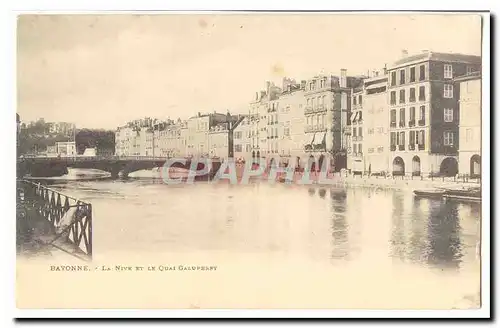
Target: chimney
<point x="385" y="69"/>
<point x="343" y="78"/>
<point x="404" y="53"/>
<point x="256" y="96"/>
<point x="199" y="114"/>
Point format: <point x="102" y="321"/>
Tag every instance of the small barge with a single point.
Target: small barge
<point x="429" y="193"/>
<point x="469" y="194"/>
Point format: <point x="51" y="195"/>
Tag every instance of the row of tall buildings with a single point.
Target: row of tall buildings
<point x="421" y="114"/>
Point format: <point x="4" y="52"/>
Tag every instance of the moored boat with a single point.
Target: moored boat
<point x="472" y="194"/>
<point x="431" y="193"/>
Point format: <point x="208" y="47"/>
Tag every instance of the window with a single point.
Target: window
<point x="401" y="138"/>
<point x="237" y="135"/>
<point x="286" y="132"/>
<point x="448" y="91"/>
<point x="412" y="137"/>
<point x="422" y="73"/>
<point x="355" y="148"/>
<point x="393" y="138"/>
<point x="402" y="76"/>
<point x="412" y="95"/>
<point x="393" y="116"/>
<point x="248" y="148"/>
<point x="393" y="78"/>
<point x="448" y="114"/>
<point x="360" y="117"/>
<point x="412" y="74"/>
<point x="468" y="135"/>
<point x="402" y="115"/>
<point x="380" y="130"/>
<point x="393" y="97"/>
<point x="448" y="71"/>
<point x="321" y="83"/>
<point x="308" y="102"/>
<point x="370" y="150"/>
<point x="360" y="148"/>
<point x="402" y="96"/>
<point x="422" y="113"/>
<point x="238" y="148"/>
<point x="470" y="70"/>
<point x="412" y="113"/>
<point x="360" y="131"/>
<point x="448" y="138"/>
<point x="360" y="99"/>
<point x="354" y="132"/>
<point x="354" y="100"/>
<point x="421" y="93"/>
<point x="380" y="149"/>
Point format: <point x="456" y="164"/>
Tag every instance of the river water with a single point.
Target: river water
<point x="377" y="241"/>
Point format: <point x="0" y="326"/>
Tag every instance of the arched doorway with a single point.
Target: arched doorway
<point x="311" y="164"/>
<point x="297" y="163"/>
<point x="449" y="167"/>
<point x="398" y="166"/>
<point x="339" y="162"/>
<point x="321" y="159"/>
<point x="475" y="166"/>
<point x="272" y="162"/>
<point x="415" y="163"/>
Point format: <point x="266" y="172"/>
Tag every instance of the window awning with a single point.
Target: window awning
<point x="320" y="138"/>
<point x="310" y="138"/>
<point x="356" y="116"/>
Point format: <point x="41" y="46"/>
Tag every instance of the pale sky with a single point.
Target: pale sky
<point x="102" y="71"/>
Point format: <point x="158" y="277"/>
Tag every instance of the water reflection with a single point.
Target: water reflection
<point x="428" y="235"/>
<point x="339" y="225"/>
<point x="445" y="249"/>
<point x="322" y="224"/>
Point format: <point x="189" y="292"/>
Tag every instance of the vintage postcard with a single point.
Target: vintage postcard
<point x="281" y="160"/>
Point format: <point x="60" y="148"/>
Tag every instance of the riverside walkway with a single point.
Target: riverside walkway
<point x="50" y="223"/>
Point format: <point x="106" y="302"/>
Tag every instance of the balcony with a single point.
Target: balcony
<point x="421" y="122"/>
<point x="354" y="138"/>
<point x="402" y="124"/>
<point x="308" y="110"/>
<point x="401" y="147"/>
<point x="393" y="124"/>
<point x="393" y="147"/>
<point x="411" y="123"/>
<point x="411" y="146"/>
<point x="421" y="147"/>
<point x="319" y="108"/>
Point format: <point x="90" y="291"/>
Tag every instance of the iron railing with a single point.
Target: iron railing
<point x="54" y="206"/>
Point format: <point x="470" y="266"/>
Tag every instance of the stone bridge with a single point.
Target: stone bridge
<point x="57" y="166"/>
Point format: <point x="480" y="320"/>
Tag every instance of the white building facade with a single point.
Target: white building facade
<point x="470" y="125"/>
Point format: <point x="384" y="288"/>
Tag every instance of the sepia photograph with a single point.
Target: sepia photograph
<point x="250" y="160"/>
